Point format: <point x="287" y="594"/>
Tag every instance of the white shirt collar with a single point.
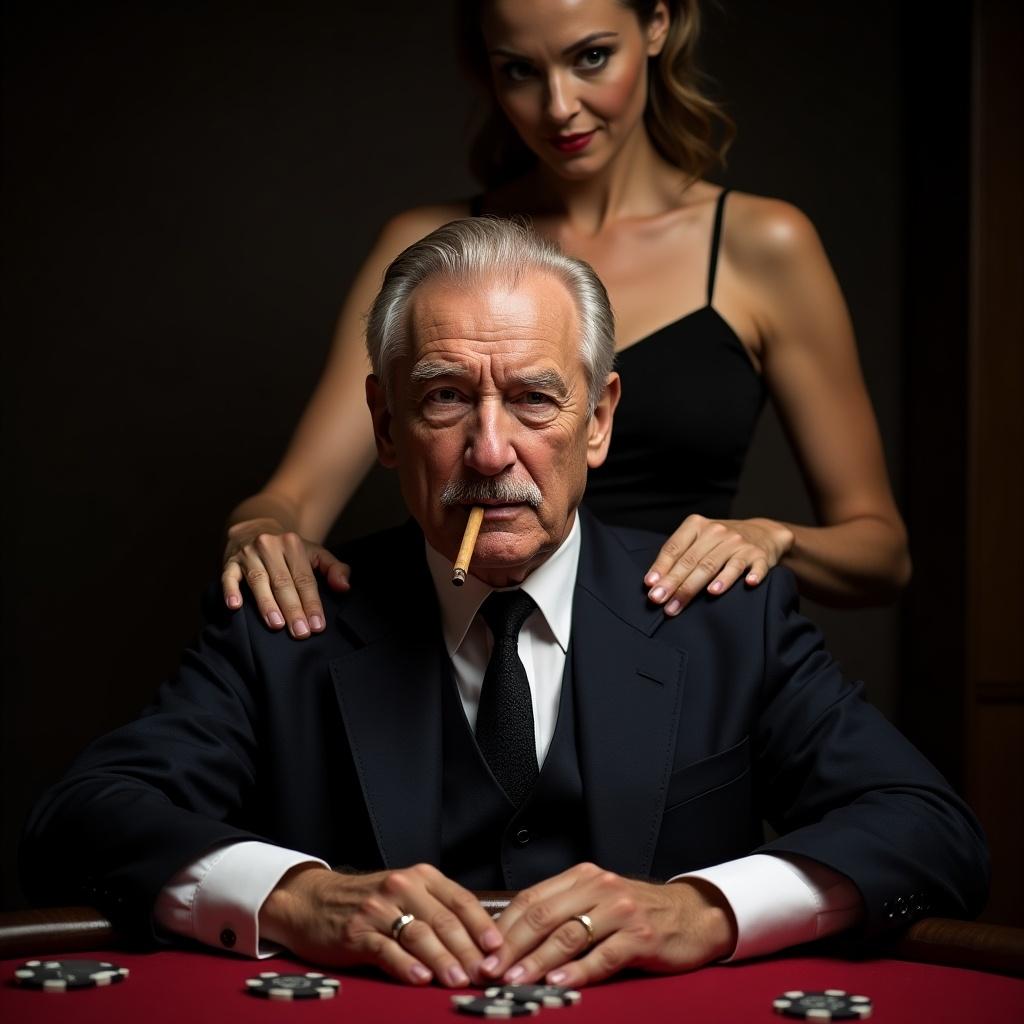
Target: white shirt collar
<point x="550" y="585"/>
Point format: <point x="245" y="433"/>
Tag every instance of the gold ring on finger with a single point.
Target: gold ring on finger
<point x="584" y="919"/>
<point x="398" y="924"/>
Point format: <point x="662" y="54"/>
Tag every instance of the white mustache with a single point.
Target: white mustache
<point x="511" y="492"/>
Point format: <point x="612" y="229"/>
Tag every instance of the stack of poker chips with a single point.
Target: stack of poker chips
<point x="830" y="1004"/>
<point x="61" y="975"/>
<point x="515" y="1000"/>
<point x="271" y="985"/>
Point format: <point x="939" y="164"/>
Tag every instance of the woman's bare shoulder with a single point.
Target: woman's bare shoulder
<point x="763" y="234"/>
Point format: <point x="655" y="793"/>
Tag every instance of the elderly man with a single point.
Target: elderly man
<point x="541" y="729"/>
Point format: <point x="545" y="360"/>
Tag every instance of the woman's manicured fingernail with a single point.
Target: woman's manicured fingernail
<point x="557" y="977"/>
<point x="276" y="619"/>
<point x="716" y="587"/>
<point x="457" y="976"/>
<point x="657" y="594"/>
<point x="300" y="627"/>
<point x="491" y="939"/>
<point x="651" y="578"/>
<point x="234" y="601"/>
<point x="419" y="974"/>
<point x="490" y="965"/>
<point x="514" y="973"/>
<point x="673" y="607"/>
<point x="316" y="622"/>
<point x="752" y="578"/>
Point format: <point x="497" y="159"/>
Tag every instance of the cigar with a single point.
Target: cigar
<point x="461" y="566"/>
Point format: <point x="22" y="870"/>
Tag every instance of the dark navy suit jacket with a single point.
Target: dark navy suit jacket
<point x="690" y="731"/>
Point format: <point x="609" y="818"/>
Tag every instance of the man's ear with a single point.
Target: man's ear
<point x="599" y="429"/>
<point x="381" y="416"/>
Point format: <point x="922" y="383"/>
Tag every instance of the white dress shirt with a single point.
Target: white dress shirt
<point x="777" y="901"/>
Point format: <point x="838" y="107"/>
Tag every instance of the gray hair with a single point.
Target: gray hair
<point x="478" y="249"/>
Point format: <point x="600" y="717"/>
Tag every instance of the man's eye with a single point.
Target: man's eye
<point x="536" y="398"/>
<point x="516" y="70"/>
<point x="593" y="59"/>
<point x="444" y="396"/>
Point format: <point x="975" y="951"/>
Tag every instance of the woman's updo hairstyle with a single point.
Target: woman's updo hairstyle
<point x="689" y="130"/>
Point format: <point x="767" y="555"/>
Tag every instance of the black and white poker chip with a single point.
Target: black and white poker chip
<point x="545" y="995"/>
<point x="486" y="1006"/>
<point x="271" y="985"/>
<point x="60" y="975"/>
<point x="830" y="1004"/>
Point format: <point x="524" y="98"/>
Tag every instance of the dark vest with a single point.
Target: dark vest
<point x="485" y="842"/>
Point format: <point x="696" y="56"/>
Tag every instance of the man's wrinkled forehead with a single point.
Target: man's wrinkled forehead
<point x="531" y="318"/>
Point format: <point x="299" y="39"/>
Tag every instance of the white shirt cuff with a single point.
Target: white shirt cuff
<point x="780" y="901"/>
<point x="217" y="898"/>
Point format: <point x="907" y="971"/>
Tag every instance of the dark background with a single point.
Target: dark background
<point x="188" y="189"/>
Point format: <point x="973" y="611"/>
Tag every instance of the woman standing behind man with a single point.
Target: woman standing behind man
<point x="601" y="137"/>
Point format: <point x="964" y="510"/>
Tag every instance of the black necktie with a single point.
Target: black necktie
<point x="504" y="720"/>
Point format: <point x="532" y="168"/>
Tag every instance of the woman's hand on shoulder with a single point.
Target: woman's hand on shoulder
<point x="280" y="568"/>
<point x="712" y="554"/>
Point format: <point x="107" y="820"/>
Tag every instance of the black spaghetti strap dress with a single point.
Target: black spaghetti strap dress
<point x="690" y="401"/>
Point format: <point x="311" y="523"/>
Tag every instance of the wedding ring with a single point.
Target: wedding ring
<point x="584" y="919"/>
<point x="399" y="923"/>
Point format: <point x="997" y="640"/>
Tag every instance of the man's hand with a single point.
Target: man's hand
<point x="341" y="920"/>
<point x="659" y="928"/>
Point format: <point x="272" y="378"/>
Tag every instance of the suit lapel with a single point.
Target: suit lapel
<point x="629" y="689"/>
<point x="389" y="692"/>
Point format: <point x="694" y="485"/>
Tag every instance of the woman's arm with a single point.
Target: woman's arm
<point x="274" y="537"/>
<point x="773" y="264"/>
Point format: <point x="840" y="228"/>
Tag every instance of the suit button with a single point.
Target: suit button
<point x="522" y="837"/>
<point x="227" y="938"/>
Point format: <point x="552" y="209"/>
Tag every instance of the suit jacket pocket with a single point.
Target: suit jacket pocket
<point x="701" y="777"/>
<point x="710" y="814"/>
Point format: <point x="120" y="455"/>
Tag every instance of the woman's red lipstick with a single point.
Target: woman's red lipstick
<point x="572" y="143"/>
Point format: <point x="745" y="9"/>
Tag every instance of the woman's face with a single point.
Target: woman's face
<point x="571" y="76"/>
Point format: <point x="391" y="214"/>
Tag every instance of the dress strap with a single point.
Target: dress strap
<point x="716" y="237"/>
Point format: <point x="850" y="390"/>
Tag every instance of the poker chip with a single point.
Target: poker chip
<point x="545" y="995"/>
<point x="271" y="985"/>
<point x="60" y="975"/>
<point x="485" y="1006"/>
<point x="831" y="1004"/>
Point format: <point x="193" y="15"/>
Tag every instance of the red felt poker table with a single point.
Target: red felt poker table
<point x="938" y="970"/>
<point x="177" y="986"/>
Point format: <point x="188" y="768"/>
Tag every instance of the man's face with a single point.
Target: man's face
<point x="489" y="407"/>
